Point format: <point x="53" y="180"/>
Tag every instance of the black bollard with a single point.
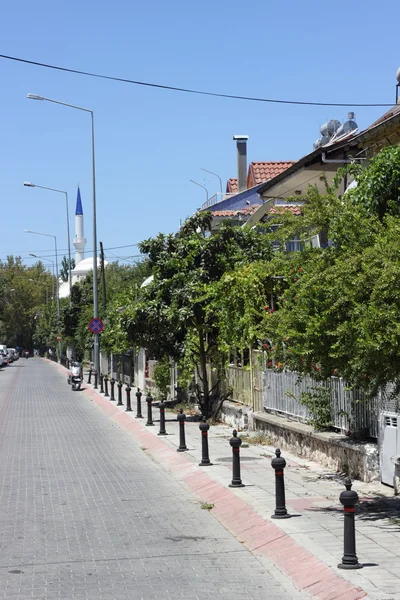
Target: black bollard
<point x="162" y="419"/>
<point x="139" y="404"/>
<point x="349" y="499"/>
<point x="128" y="399"/>
<point x="112" y="384"/>
<point x="182" y="441"/>
<point x="149" y="401"/>
<point x="278" y="463"/>
<point x="95" y="381"/>
<point x="90" y="375"/>
<point x="119" y="386"/>
<point x="101" y="383"/>
<point x="236" y="442"/>
<point x="205" y="459"/>
<point x="106" y="394"/>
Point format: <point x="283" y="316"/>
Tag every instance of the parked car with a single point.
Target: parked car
<point x="10" y="356"/>
<point x="15" y="353"/>
<point x="3" y="359"/>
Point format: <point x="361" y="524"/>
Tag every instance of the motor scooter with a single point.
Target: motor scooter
<point x="75" y="376"/>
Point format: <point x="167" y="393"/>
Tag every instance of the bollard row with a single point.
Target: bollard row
<point x="348" y="498"/>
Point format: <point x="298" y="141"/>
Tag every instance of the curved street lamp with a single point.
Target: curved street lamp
<point x="29" y="184"/>
<point x="96" y="345"/>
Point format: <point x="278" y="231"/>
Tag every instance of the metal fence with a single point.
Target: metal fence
<point x="351" y="408"/>
<point x="123" y="366"/>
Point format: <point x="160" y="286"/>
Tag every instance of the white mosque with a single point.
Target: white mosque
<point x="83" y="265"/>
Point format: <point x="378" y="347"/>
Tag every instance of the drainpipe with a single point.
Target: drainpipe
<point x="339" y="161"/>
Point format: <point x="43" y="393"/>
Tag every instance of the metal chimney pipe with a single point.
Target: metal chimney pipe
<point x="241" y="145"/>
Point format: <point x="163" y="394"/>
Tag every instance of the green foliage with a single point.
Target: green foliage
<point x="25" y="294"/>
<point x="319" y="402"/>
<point x="172" y="317"/>
<point x="162" y="376"/>
<point x="338" y="307"/>
<point x="64" y="271"/>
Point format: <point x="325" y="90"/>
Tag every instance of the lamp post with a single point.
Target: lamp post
<point x="96" y="345"/>
<point x="57" y="284"/>
<point x="52" y="262"/>
<point x="30" y="184"/>
<point x="215" y="175"/>
<point x="202" y="186"/>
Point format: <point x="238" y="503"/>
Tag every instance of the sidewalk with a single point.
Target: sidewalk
<point x="305" y="548"/>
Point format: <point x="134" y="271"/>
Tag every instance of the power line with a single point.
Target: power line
<point x="186" y="90"/>
<point x="60" y="251"/>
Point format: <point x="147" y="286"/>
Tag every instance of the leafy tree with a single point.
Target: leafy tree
<point x="338" y="307"/>
<point x="64" y="271"/>
<point x="172" y="317"/>
<point x="24" y="292"/>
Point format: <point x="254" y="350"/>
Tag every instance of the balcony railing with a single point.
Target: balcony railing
<point x="215" y="199"/>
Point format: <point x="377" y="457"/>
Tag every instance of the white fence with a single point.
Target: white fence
<point x="351" y="409"/>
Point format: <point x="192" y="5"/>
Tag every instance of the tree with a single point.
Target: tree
<point x="64" y="271"/>
<point x="172" y="317"/>
<point x="338" y="307"/>
<point x="24" y="292"/>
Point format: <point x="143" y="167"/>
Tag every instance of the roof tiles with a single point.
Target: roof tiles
<point x="240" y="212"/>
<point x="264" y="171"/>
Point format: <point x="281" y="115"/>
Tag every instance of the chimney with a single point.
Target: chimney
<point x="241" y="145"/>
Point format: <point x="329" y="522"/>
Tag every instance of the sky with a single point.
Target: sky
<point x="149" y="142"/>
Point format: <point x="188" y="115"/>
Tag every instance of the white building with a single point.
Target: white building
<point x="83" y="266"/>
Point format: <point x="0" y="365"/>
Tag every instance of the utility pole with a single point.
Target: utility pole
<point x="103" y="278"/>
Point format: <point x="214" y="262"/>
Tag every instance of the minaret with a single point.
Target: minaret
<point x="80" y="240"/>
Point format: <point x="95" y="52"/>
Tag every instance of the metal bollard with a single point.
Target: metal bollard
<point x="278" y="463"/>
<point x="162" y="418"/>
<point x="90" y="375"/>
<point x="349" y="499"/>
<point x="95" y="380"/>
<point x="236" y="442"/>
<point x="205" y="459"/>
<point x="139" y="404"/>
<point x="128" y="399"/>
<point x="106" y="394"/>
<point x="182" y="441"/>
<point x="101" y="383"/>
<point x="119" y="386"/>
<point x="112" y="384"/>
<point x="149" y="401"/>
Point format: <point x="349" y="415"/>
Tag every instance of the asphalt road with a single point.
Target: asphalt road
<point x="86" y="514"/>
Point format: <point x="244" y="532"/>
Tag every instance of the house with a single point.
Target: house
<point x="241" y="199"/>
<point x="322" y="164"/>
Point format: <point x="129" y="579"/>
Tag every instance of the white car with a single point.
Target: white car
<point x="3" y="359"/>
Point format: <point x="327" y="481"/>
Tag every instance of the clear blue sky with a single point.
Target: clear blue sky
<point x="150" y="142"/>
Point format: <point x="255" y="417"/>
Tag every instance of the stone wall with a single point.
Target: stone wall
<point x="333" y="450"/>
<point x="337" y="452"/>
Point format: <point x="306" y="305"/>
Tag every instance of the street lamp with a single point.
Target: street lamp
<point x="96" y="345"/>
<point x="215" y="175"/>
<point x="58" y="295"/>
<point x="202" y="186"/>
<point x="29" y="184"/>
<point x="52" y="262"/>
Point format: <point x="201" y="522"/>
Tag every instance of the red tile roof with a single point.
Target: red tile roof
<point x="259" y="172"/>
<point x="264" y="171"/>
<point x="247" y="211"/>
<point x="232" y="186"/>
<point x="277" y="210"/>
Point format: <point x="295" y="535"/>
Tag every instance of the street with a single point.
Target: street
<point x="85" y="514"/>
